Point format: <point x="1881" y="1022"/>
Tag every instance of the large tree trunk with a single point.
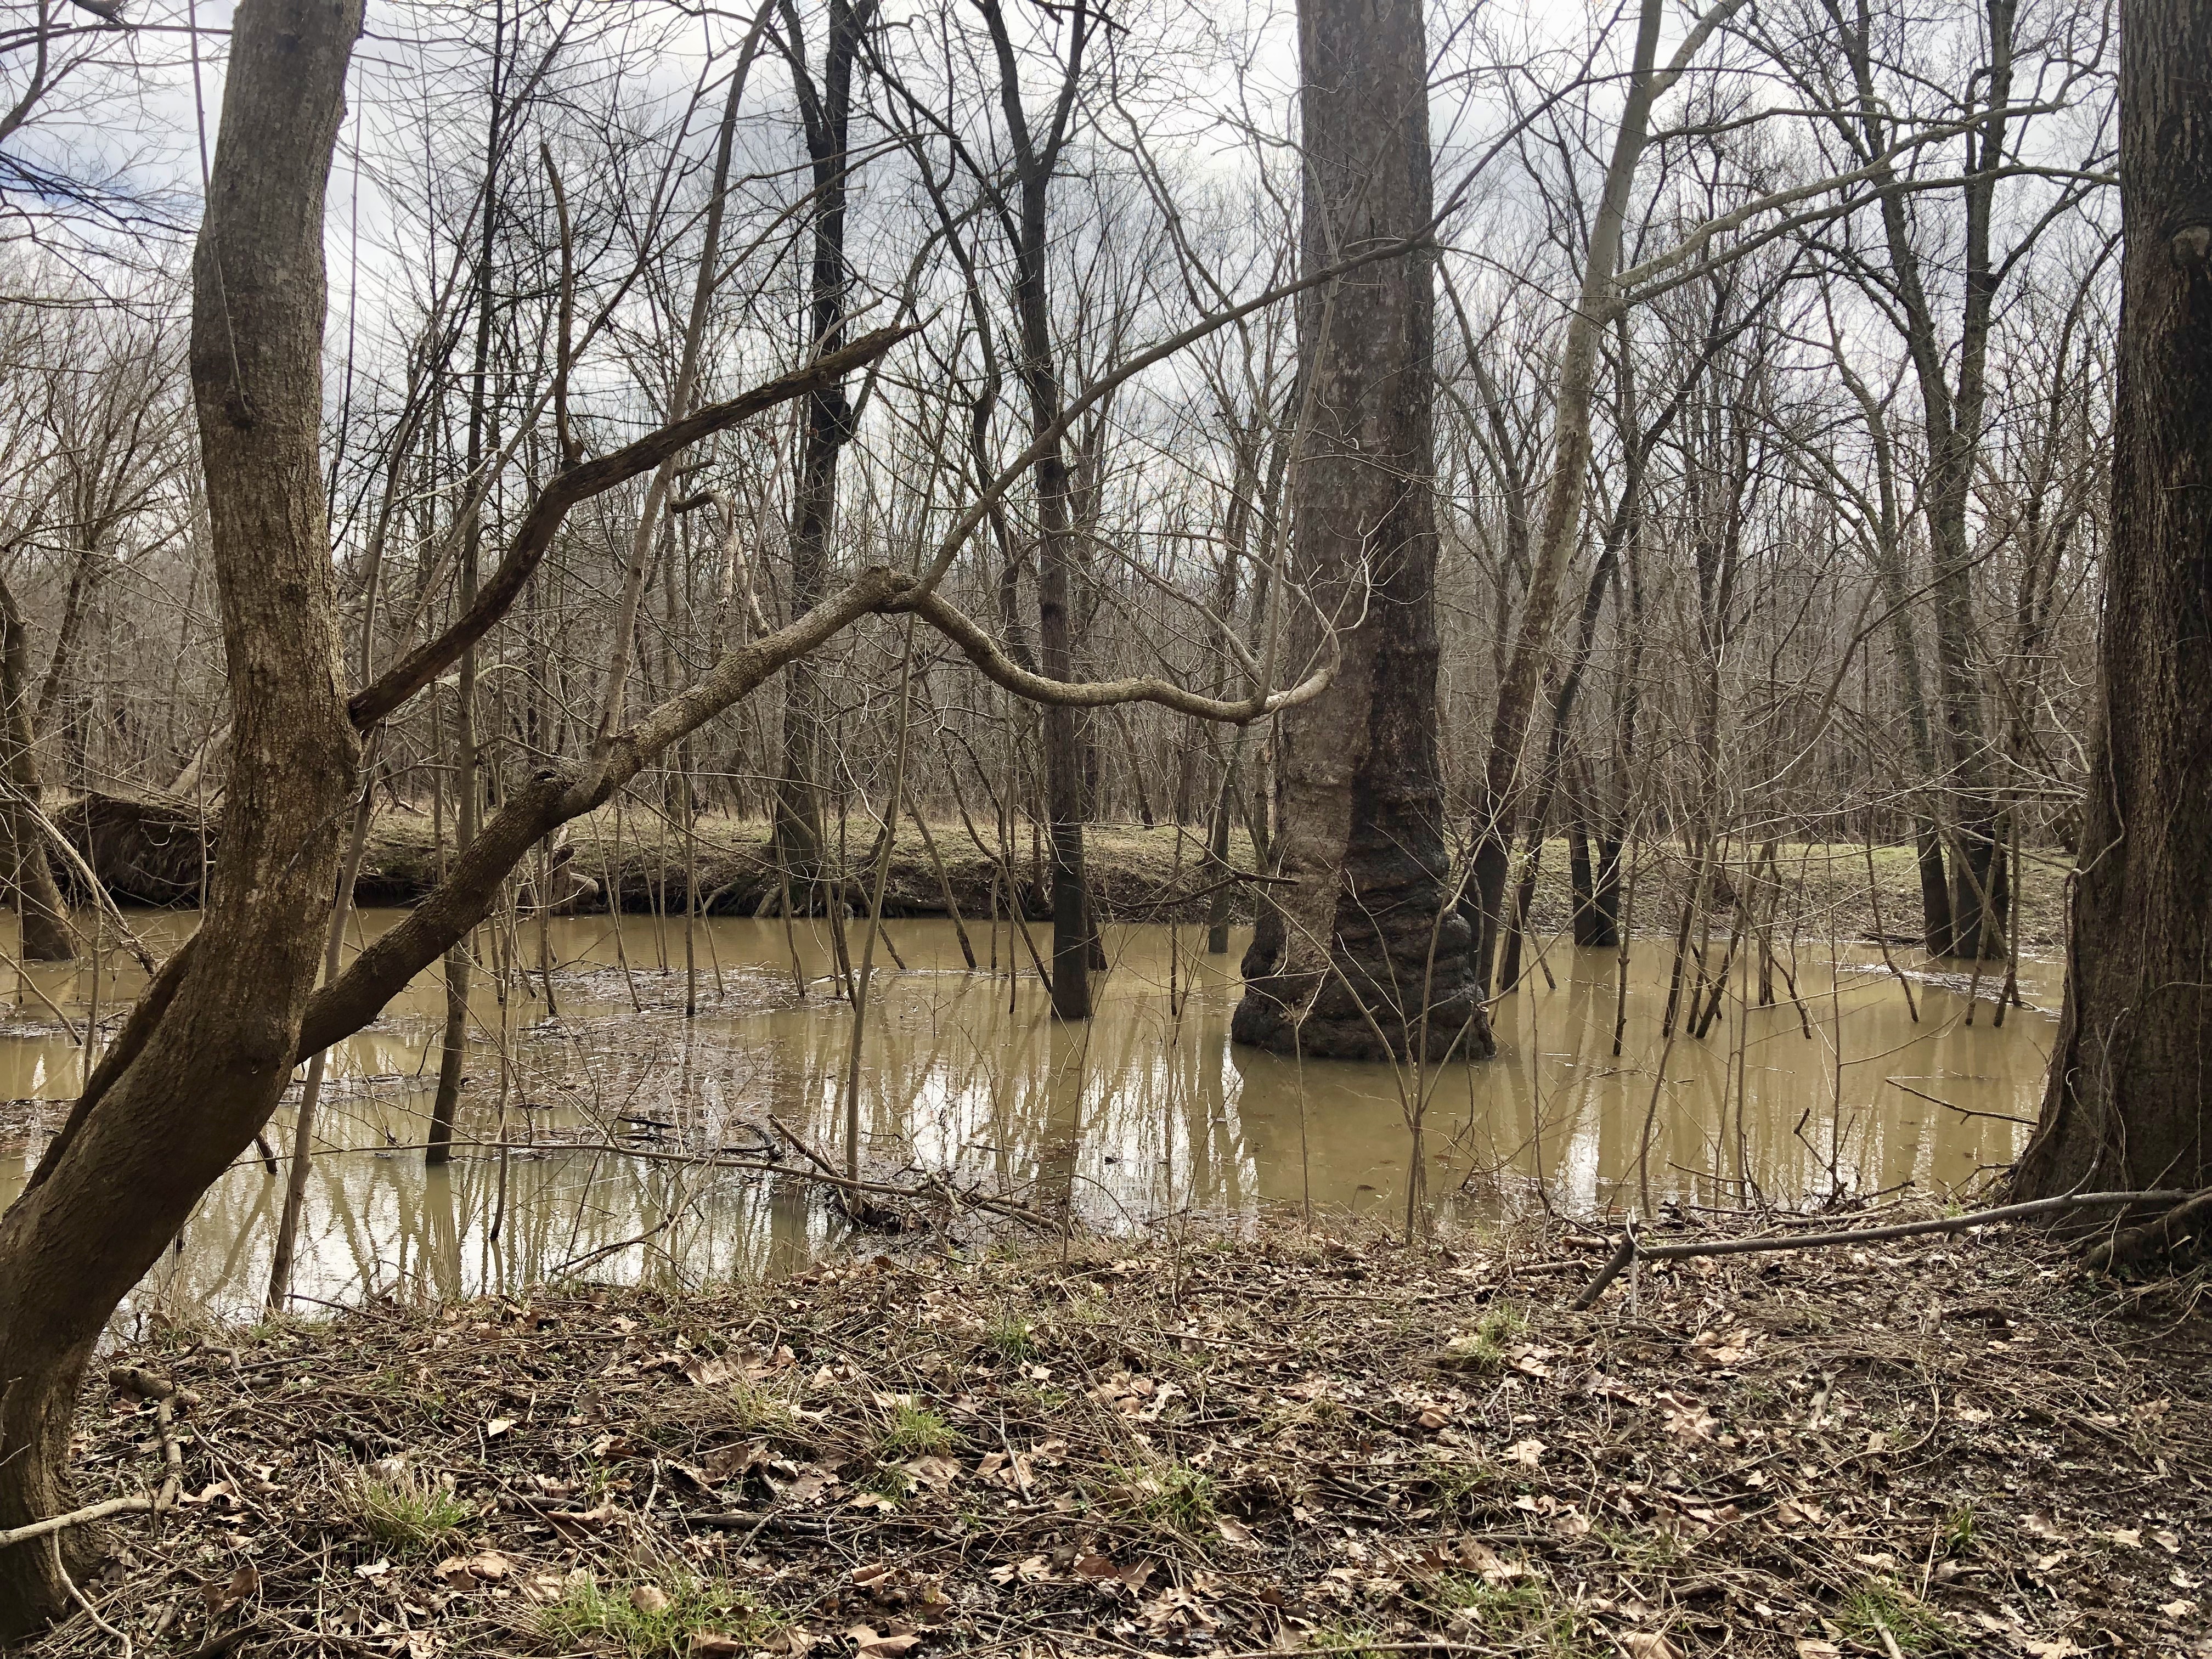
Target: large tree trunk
<point x="1365" y="954"/>
<point x="101" y="1209"/>
<point x="2128" y="1105"/>
<point x="30" y="877"/>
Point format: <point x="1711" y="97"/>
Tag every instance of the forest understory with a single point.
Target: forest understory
<point x="1190" y="1445"/>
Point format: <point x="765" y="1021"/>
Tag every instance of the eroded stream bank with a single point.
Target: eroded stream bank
<point x="612" y="1106"/>
<point x="1187" y="1445"/>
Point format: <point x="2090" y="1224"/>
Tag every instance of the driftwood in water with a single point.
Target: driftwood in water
<point x="145" y="849"/>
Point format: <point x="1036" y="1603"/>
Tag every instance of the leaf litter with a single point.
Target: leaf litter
<point x="1192" y="1445"/>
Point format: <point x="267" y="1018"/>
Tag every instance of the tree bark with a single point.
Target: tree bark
<point x="38" y="902"/>
<point x="1365" y="954"/>
<point x="826" y="110"/>
<point x="220" y="1041"/>
<point x="2128" y="1096"/>
<point x="1066" y="734"/>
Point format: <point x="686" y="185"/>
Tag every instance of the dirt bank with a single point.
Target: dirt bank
<point x="147" y="851"/>
<point x="1190" y="1447"/>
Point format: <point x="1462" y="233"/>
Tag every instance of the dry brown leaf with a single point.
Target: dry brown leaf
<point x="710" y="1371"/>
<point x="1527" y="1453"/>
<point x="869" y="1645"/>
<point x="221" y="1598"/>
<point x="649" y="1599"/>
<point x="595" y="1519"/>
<point x="1648" y="1645"/>
<point x="459" y="1572"/>
<point x="938" y="1473"/>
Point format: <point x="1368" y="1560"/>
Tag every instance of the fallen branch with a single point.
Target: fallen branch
<point x="99" y="1512"/>
<point x="2185" y="1219"/>
<point x="1629" y="1249"/>
<point x="932" y="1189"/>
<point x="168" y="1396"/>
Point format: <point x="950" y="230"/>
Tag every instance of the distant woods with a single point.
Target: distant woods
<point x="1834" y="420"/>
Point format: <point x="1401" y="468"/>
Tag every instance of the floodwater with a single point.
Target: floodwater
<point x="588" y="1134"/>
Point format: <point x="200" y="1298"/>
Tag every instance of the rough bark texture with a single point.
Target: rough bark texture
<point x="1366" y="954"/>
<point x="2131" y="1097"/>
<point x="209" y="1067"/>
<point x="23" y="852"/>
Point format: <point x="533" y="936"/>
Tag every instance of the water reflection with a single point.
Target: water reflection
<point x="583" y="1131"/>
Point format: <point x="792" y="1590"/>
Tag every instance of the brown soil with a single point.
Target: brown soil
<point x="1192" y="1446"/>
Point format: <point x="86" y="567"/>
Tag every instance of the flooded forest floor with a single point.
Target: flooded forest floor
<point x="1191" y="1445"/>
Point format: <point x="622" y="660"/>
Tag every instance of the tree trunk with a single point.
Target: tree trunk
<point x="1065" y="730"/>
<point x="826" y="110"/>
<point x="1502" y="781"/>
<point x="2128" y="1104"/>
<point x="452" y="1053"/>
<point x="223" y="1025"/>
<point x="45" y="934"/>
<point x="1364" y="955"/>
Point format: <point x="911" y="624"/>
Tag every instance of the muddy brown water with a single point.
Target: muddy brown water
<point x="1146" y="1114"/>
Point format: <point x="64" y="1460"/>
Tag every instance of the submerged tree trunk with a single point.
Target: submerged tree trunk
<point x="1365" y="954"/>
<point x="2128" y="1106"/>
<point x="37" y="898"/>
<point x="222" y="1023"/>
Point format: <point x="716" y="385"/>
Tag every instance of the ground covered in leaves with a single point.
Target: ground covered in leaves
<point x="1182" y="1446"/>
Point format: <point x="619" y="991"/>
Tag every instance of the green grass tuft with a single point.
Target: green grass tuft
<point x="1878" y="1606"/>
<point x="1483" y="1348"/>
<point x="586" y="1617"/>
<point x="1525" y="1614"/>
<point x="402" y="1509"/>
<point x="914" y="1431"/>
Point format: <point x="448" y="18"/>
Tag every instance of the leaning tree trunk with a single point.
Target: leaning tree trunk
<point x="181" y="1105"/>
<point x="30" y="877"/>
<point x="2129" y="1105"/>
<point x="1364" y="953"/>
<point x="1503" y="784"/>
